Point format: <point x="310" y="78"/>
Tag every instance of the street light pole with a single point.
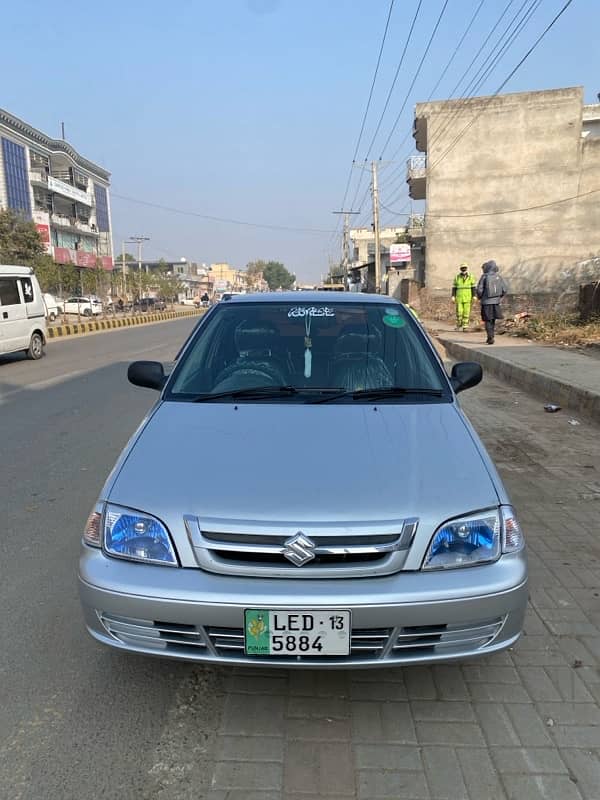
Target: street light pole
<point x="139" y="240"/>
<point x="376" y="228"/>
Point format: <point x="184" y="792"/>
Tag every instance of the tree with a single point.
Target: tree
<point x="255" y="268"/>
<point x="129" y="259"/>
<point x="277" y="276"/>
<point x="20" y="243"/>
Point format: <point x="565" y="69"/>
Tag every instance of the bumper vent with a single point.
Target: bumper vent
<point x="402" y="644"/>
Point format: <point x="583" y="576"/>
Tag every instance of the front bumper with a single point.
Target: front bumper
<point x="406" y="618"/>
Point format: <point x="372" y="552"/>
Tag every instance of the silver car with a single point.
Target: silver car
<point x="306" y="492"/>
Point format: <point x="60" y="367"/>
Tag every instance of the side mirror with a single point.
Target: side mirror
<point x="465" y="375"/>
<point x="149" y="374"/>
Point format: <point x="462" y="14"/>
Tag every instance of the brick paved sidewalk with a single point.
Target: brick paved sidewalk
<point x="523" y="724"/>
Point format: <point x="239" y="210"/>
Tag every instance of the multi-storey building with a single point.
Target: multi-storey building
<point x="65" y="195"/>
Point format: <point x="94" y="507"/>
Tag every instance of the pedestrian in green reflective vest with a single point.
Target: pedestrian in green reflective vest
<point x="463" y="291"/>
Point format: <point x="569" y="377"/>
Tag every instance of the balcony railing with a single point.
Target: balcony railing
<point x="38" y="175"/>
<point x="416" y="176"/>
<point x="416" y="167"/>
<point x="64" y="221"/>
<point x="416" y="222"/>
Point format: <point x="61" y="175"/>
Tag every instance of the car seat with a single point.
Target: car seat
<point x="356" y="362"/>
<point x="257" y="362"/>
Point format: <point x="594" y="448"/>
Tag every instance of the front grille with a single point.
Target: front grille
<point x="155" y="635"/>
<point x="229" y="643"/>
<point x="445" y="638"/>
<point x="317" y="551"/>
<point x="366" y="644"/>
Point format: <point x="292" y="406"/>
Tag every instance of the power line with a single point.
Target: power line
<point x="400" y="213"/>
<point x="475" y="82"/>
<point x="456" y="49"/>
<point x="364" y="119"/>
<point x="416" y="75"/>
<point x="387" y="101"/>
<point x="212" y="218"/>
<point x="472" y="87"/>
<point x="515" y="210"/>
<point x="504" y="82"/>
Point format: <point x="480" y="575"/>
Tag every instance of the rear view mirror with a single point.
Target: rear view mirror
<point x="149" y="374"/>
<point x="465" y="375"/>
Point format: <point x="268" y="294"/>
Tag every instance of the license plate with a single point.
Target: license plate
<point x="274" y="632"/>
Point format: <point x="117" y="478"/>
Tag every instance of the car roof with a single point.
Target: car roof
<point x="312" y="297"/>
<point x="10" y="269"/>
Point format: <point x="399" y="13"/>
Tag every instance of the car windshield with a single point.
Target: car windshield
<point x="307" y="352"/>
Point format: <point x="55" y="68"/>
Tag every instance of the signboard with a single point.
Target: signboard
<point x="84" y="259"/>
<point x="62" y="255"/>
<point x="44" y="232"/>
<point x="66" y="190"/>
<point x="399" y="253"/>
<point x="107" y="262"/>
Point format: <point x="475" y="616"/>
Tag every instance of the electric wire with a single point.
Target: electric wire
<point x="533" y="47"/>
<point x="483" y="73"/>
<point x="212" y="218"/>
<point x="472" y="87"/>
<point x="366" y="111"/>
<point x="398" y="68"/>
<point x="416" y="75"/>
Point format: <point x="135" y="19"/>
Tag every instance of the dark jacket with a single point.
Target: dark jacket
<point x="491" y="287"/>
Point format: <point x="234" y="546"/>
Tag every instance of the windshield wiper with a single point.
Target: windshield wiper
<point x="382" y="392"/>
<point x="250" y="391"/>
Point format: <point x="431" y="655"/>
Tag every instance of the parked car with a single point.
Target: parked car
<point x="22" y="312"/>
<point x="52" y="307"/>
<point x="150" y="304"/>
<point x="87" y="306"/>
<point x="368" y="526"/>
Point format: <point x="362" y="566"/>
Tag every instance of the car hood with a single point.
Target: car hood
<point x="326" y="463"/>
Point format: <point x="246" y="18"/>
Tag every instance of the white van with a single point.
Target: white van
<point x="22" y="312"/>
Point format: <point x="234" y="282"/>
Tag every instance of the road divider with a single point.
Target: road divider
<point x="110" y="323"/>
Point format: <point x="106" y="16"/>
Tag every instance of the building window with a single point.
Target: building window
<point x="17" y="177"/>
<point x="101" y="208"/>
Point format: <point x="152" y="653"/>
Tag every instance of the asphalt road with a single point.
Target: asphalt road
<point x="79" y="721"/>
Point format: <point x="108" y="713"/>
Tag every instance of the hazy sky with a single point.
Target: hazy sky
<point x="250" y="109"/>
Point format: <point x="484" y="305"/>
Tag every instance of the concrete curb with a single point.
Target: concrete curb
<point x="81" y="328"/>
<point x="543" y="386"/>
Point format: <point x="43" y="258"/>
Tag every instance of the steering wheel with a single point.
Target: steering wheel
<point x="259" y="372"/>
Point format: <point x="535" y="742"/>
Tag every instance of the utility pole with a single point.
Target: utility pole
<point x="376" y="226"/>
<point x="139" y="240"/>
<point x="346" y="243"/>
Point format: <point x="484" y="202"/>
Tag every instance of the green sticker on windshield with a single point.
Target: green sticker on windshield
<point x="393" y="321"/>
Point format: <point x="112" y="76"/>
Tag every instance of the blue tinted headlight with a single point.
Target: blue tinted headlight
<point x="465" y="542"/>
<point x="139" y="537"/>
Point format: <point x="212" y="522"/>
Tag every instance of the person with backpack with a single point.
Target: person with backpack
<point x="490" y="291"/>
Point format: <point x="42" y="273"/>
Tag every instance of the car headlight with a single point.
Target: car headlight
<point x="136" y="536"/>
<point x="476" y="539"/>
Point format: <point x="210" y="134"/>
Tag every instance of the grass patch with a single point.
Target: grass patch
<point x="565" y="329"/>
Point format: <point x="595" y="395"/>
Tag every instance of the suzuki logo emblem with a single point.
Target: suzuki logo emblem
<point x="299" y="549"/>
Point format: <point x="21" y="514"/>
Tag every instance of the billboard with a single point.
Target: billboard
<point x="399" y="253"/>
<point x="85" y="259"/>
<point x="80" y="258"/>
